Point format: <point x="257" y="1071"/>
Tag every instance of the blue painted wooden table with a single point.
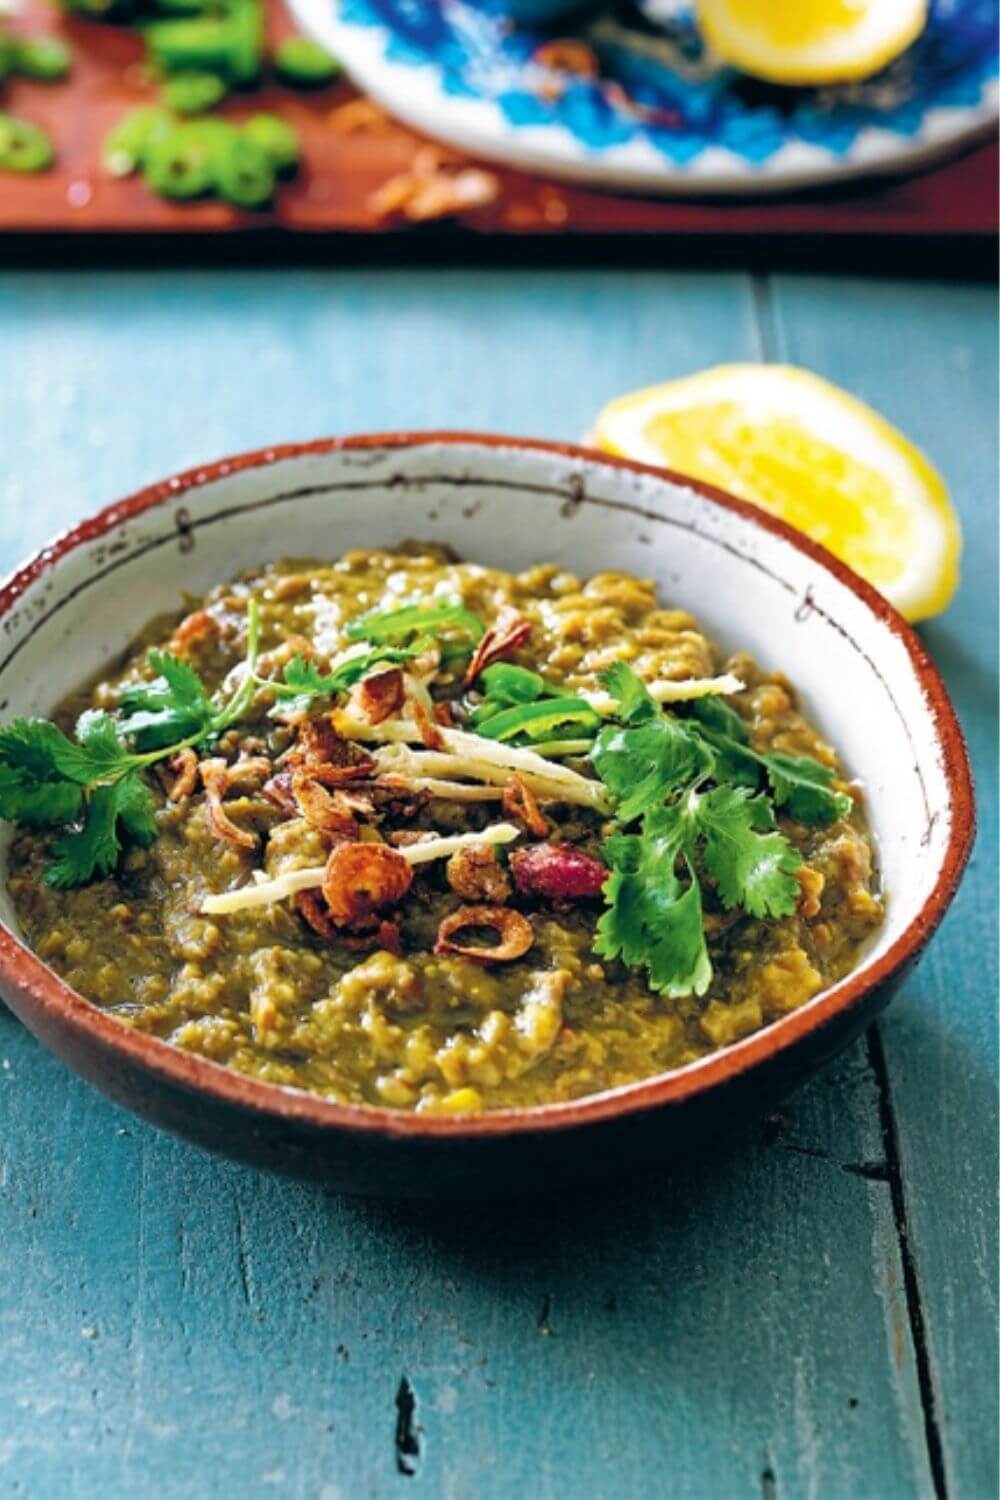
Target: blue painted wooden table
<point x="807" y="1311"/>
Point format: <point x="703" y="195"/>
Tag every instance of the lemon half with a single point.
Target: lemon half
<point x="810" y="41"/>
<point x="808" y="452"/>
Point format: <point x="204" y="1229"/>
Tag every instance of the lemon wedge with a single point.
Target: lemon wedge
<point x="810" y="41"/>
<point x="808" y="452"/>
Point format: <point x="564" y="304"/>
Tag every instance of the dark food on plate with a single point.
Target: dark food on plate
<point x="414" y="832"/>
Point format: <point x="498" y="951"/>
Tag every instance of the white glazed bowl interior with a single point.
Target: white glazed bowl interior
<point x="510" y="506"/>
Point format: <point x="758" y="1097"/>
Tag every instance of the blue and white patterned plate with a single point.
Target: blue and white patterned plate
<point x="662" y="117"/>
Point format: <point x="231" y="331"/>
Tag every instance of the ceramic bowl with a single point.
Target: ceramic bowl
<point x="753" y="582"/>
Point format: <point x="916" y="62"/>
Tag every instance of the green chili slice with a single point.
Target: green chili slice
<point x="46" y="58"/>
<point x="193" y="92"/>
<point x="508" y="684"/>
<point x="277" y="139"/>
<point x="184" y="163"/>
<point x="538" y="720"/>
<point x="245" y="174"/>
<point x="125" y="146"/>
<point x="24" y="147"/>
<point x="304" y="64"/>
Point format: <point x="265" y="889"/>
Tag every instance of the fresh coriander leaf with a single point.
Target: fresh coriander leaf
<point x="642" y="766"/>
<point x="751" y="869"/>
<point x="94" y="848"/>
<point x="37" y="803"/>
<point x="136" y="809"/>
<point x="40" y="750"/>
<point x="723" y="729"/>
<point x="652" y="920"/>
<point x="714" y="714"/>
<point x="183" y="682"/>
<point x="99" y="735"/>
<point x="303" y="680"/>
<point x="798" y="783"/>
<point x="91" y="849"/>
<point x="170" y="707"/>
<point x="635" y="703"/>
<point x="399" y="626"/>
<point x="304" y="677"/>
<point x="801" y="787"/>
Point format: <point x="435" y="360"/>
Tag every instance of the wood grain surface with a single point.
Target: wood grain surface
<point x="808" y="1310"/>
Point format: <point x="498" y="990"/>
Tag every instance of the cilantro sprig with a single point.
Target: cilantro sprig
<point x="92" y="785"/>
<point x="800" y="785"/>
<point x="399" y="627"/>
<point x="704" y="801"/>
<point x="303" y="681"/>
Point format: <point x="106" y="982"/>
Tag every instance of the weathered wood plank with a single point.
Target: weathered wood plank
<point x="735" y="1327"/>
<point x="926" y="356"/>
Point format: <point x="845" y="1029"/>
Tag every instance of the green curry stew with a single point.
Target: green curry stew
<point x="645" y="852"/>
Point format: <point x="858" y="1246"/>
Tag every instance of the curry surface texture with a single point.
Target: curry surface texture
<point x="263" y="992"/>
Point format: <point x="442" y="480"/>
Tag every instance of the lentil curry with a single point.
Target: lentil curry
<point x="415" y="832"/>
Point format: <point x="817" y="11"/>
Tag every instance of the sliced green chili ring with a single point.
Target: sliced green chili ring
<point x="277" y="139"/>
<point x="183" y="163"/>
<point x="24" y="147"/>
<point x="194" y="92"/>
<point x="245" y="24"/>
<point x="395" y="625"/>
<point x="201" y="44"/>
<point x="46" y="58"/>
<point x="303" y="64"/>
<point x="508" y="683"/>
<point x="245" y="174"/>
<point x="538" y="720"/>
<point x="126" y="144"/>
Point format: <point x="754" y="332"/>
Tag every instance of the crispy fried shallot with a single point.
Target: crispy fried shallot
<point x="436" y="185"/>
<point x="247" y="772"/>
<point x="429" y="731"/>
<point x="475" y="874"/>
<point x="215" y="778"/>
<point x="313" y="909"/>
<point x="195" y="627"/>
<point x="510" y="631"/>
<point x="331" y="812"/>
<point x="185" y="763"/>
<point x="387" y="935"/>
<point x="513" y="931"/>
<point x="319" y="743"/>
<point x="279" y="791"/>
<point x="361" y="879"/>
<point x="520" y="804"/>
<point x="311" y="906"/>
<point x="381" y="695"/>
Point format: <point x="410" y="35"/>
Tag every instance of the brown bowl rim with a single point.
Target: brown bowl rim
<point x="26" y="972"/>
